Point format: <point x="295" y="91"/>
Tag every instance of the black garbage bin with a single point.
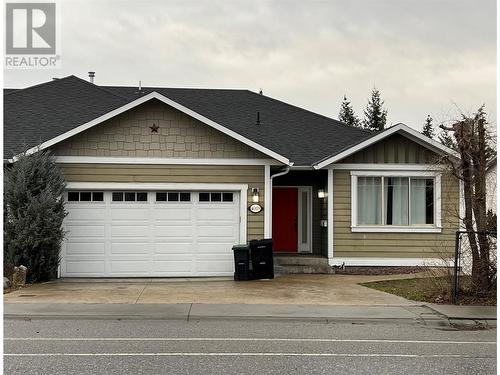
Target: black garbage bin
<point x="241" y="262"/>
<point x="262" y="259"/>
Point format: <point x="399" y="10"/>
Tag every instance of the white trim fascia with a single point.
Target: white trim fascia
<point x="399" y="128"/>
<point x="241" y="188"/>
<point x="268" y="220"/>
<point x="391" y="262"/>
<point x="387" y="167"/>
<point x="395" y="229"/>
<point x="396" y="173"/>
<point x="330" y="228"/>
<point x="164" y="99"/>
<point x="163" y="161"/>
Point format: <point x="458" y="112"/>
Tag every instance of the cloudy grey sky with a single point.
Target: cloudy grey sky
<point x="426" y="56"/>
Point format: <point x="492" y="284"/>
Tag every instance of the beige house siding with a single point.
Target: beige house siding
<point x="393" y="149"/>
<point x="179" y="135"/>
<point x="251" y="175"/>
<point x="394" y="245"/>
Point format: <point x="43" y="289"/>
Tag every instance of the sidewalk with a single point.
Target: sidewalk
<point x="432" y="316"/>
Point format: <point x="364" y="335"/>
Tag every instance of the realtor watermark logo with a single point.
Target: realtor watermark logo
<point x="31" y="35"/>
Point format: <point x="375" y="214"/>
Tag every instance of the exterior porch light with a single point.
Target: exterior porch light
<point x="255" y="195"/>
<point x="321" y="193"/>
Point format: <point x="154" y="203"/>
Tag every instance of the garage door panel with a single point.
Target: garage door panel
<point x="136" y="230"/>
<point x="173" y="231"/>
<point x="135" y="266"/>
<point x="139" y="248"/>
<point x="173" y="248"/>
<point x="84" y="231"/>
<point x="223" y="232"/>
<point x="82" y="214"/>
<point x="131" y="211"/>
<point x="85" y="266"/>
<point x="215" y="266"/>
<point x="83" y="248"/>
<point x="169" y="212"/>
<point x="173" y="266"/>
<point x="211" y="213"/>
<point x="126" y="239"/>
<point x="215" y="248"/>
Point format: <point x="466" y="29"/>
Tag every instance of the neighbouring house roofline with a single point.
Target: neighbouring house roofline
<point x="400" y="129"/>
<point x="164" y="99"/>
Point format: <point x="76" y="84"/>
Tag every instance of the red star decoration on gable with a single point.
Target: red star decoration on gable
<point x="154" y="128"/>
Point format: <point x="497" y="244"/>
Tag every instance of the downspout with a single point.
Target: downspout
<point x="282" y="173"/>
<point x="270" y="194"/>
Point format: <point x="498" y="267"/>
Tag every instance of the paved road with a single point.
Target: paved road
<point x="256" y="347"/>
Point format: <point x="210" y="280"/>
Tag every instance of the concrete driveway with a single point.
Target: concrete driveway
<point x="286" y="289"/>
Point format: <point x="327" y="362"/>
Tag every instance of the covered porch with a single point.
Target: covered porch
<point x="298" y="220"/>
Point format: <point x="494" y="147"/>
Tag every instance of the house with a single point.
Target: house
<point x="163" y="181"/>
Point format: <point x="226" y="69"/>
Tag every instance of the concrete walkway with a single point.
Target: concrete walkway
<point x="286" y="289"/>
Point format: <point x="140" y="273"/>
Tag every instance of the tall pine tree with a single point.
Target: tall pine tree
<point x="375" y="113"/>
<point x="347" y="115"/>
<point x="428" y="129"/>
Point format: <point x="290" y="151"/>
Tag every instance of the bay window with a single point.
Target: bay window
<point x="392" y="201"/>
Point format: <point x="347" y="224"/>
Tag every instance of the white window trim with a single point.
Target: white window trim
<point x="241" y="188"/>
<point x="436" y="228"/>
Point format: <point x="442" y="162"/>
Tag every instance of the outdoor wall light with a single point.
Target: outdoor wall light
<point x="321" y="193"/>
<point x="255" y="195"/>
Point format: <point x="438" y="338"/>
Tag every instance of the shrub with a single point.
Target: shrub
<point x="33" y="214"/>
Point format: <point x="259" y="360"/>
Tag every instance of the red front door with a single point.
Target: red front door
<point x="285" y="218"/>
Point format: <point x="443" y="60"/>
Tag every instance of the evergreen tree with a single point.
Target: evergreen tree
<point x="428" y="129"/>
<point x="33" y="214"/>
<point x="375" y="114"/>
<point x="347" y="115"/>
<point x="447" y="139"/>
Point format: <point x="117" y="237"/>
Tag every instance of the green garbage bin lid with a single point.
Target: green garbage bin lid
<point x="241" y="247"/>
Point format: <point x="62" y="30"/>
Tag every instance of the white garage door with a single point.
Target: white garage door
<point x="153" y="233"/>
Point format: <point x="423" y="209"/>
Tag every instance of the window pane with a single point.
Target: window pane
<point x="97" y="196"/>
<point x="142" y="196"/>
<point x="73" y="196"/>
<point x="216" y="197"/>
<point x="185" y="197"/>
<point x="129" y="197"/>
<point x="369" y="200"/>
<point x="422" y="201"/>
<point x="204" y="197"/>
<point x="85" y="196"/>
<point x="227" y="197"/>
<point x="173" y="197"/>
<point x="117" y="196"/>
<point x="396" y="200"/>
<point x="161" y="197"/>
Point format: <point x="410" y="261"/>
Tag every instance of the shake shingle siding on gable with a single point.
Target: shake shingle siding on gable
<point x="129" y="135"/>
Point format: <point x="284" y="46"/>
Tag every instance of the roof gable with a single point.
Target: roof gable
<point x="401" y="129"/>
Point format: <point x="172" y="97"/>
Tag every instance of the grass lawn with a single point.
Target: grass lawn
<point x="433" y="290"/>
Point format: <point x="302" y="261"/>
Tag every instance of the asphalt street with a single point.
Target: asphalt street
<point x="54" y="346"/>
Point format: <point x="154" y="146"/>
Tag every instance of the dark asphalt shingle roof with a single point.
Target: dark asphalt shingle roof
<point x="39" y="113"/>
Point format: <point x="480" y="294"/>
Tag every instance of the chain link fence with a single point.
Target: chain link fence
<point x="463" y="284"/>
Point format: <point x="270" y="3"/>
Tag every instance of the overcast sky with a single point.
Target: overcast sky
<point x="425" y="56"/>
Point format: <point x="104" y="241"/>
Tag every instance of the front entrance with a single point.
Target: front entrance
<point x="292" y="219"/>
